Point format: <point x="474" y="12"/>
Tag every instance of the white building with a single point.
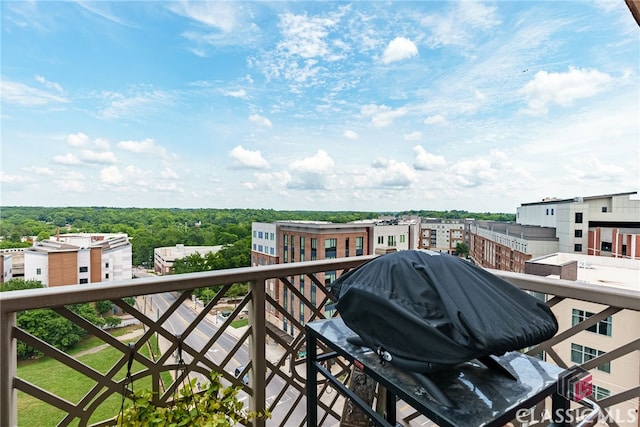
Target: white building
<point x="605" y="225"/>
<point x="441" y="235"/>
<point x="95" y="258"/>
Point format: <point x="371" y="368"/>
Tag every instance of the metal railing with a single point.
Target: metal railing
<point x="209" y="342"/>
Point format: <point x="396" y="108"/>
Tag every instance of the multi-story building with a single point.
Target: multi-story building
<point x="163" y="258"/>
<point x="12" y="262"/>
<point x="606" y="225"/>
<point x="507" y="246"/>
<point x="297" y="241"/>
<point x="93" y="258"/>
<point x="606" y="335"/>
<point x="441" y="235"/>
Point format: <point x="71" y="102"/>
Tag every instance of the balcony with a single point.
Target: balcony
<point x="273" y="358"/>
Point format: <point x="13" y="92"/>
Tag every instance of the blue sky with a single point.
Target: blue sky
<point x="375" y="106"/>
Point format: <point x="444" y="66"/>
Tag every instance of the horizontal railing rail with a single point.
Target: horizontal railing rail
<point x="270" y="355"/>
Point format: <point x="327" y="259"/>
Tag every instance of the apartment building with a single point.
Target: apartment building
<point x="12" y="263"/>
<point x="441" y="235"/>
<point x="298" y="241"/>
<point x="608" y="334"/>
<point x="164" y="257"/>
<point x="508" y="246"/>
<point x="90" y="258"/>
<point x="605" y="225"/>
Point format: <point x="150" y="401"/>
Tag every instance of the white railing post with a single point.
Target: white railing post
<point x="257" y="320"/>
<point x="8" y="361"/>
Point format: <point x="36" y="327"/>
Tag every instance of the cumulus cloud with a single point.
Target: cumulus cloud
<point x="413" y="136"/>
<point x="382" y="115"/>
<point x="146" y="146"/>
<point x="593" y="169"/>
<point x="563" y="88"/>
<point x="268" y="181"/>
<point x="67" y="159"/>
<point x="259" y="120"/>
<point x="489" y="170"/>
<point x="349" y="134"/>
<point x="77" y="139"/>
<point x="111" y="175"/>
<point x="398" y="49"/>
<point x="386" y="173"/>
<point x="312" y="173"/>
<point x="104" y="157"/>
<point x="427" y="161"/>
<point x="38" y="170"/>
<point x="243" y="158"/>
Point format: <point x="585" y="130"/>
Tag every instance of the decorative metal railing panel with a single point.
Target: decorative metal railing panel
<point x="206" y="341"/>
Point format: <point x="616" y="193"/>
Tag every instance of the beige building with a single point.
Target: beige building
<point x="441" y="235"/>
<point x="609" y="334"/>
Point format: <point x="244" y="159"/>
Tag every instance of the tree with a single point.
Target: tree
<point x="48" y="325"/>
<point x="462" y="250"/>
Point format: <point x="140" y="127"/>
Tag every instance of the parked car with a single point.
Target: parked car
<point x="237" y="373"/>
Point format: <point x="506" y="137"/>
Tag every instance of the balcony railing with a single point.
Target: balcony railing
<point x="272" y="357"/>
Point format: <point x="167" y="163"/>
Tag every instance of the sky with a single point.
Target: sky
<point x="364" y="105"/>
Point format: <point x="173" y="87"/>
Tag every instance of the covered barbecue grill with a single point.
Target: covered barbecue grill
<point x="426" y="311"/>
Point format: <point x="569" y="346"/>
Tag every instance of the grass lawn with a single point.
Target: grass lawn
<point x="240" y="323"/>
<point x="70" y="385"/>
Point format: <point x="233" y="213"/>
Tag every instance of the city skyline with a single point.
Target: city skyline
<point x="366" y="106"/>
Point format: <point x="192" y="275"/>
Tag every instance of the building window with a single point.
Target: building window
<point x="605" y="246"/>
<point x="578" y="217"/>
<point x="380" y="240"/>
<point x="577" y="233"/>
<point x="551" y="211"/>
<point x="604" y="209"/>
<point x="330" y="248"/>
<point x="577" y="247"/>
<point x="106" y="265"/>
<point x="301" y="313"/>
<point x="359" y="241"/>
<point x="313" y="293"/>
<point x="285" y="300"/>
<point x="106" y="276"/>
<point x="285" y="255"/>
<point x="260" y="235"/>
<point x="402" y="238"/>
<point x="84" y="269"/>
<point x="271" y="236"/>
<point x="391" y="240"/>
<point x="38" y="271"/>
<point x="329" y="277"/>
<point x="84" y="281"/>
<point x="603" y="327"/>
<point x="600" y="392"/>
<point x="346" y="247"/>
<point x="314" y="249"/>
<point x="547" y="211"/>
<point x="581" y="354"/>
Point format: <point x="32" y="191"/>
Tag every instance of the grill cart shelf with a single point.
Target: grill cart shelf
<point x="480" y="396"/>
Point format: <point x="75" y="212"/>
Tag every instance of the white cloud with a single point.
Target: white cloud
<point x="146" y="146"/>
<point x="563" y="88"/>
<point x="413" y="136"/>
<point x="104" y="157"/>
<point x="21" y="94"/>
<point x="77" y="139"/>
<point x="240" y="93"/>
<point x="268" y="181"/>
<point x="386" y="174"/>
<point x="312" y="173"/>
<point x="132" y="103"/>
<point x="38" y="170"/>
<point x="382" y="115"/>
<point x="437" y="119"/>
<point x="11" y="179"/>
<point x="593" y="169"/>
<point x="217" y="14"/>
<point x="427" y="161"/>
<point x="398" y="49"/>
<point x="459" y="25"/>
<point x="349" y="134"/>
<point x="304" y="36"/>
<point x="72" y="186"/>
<point x="489" y="170"/>
<point x="243" y="158"/>
<point x="67" y="159"/>
<point x="111" y="175"/>
<point x="259" y="120"/>
<point x="49" y="85"/>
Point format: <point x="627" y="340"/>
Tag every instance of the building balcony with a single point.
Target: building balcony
<point x="270" y="349"/>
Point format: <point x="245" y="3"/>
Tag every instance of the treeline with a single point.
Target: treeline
<point x="149" y="228"/>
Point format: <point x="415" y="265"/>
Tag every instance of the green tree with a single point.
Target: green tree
<point x="48" y="325"/>
<point x="462" y="250"/>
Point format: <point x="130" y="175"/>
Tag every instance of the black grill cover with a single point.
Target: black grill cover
<point x="438" y="310"/>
